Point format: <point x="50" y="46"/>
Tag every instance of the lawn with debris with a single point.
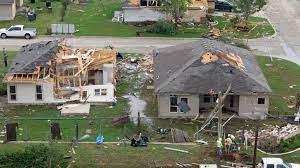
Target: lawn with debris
<point x="284" y="79"/>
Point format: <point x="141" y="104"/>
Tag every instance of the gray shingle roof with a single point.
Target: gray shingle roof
<point x="179" y="69"/>
<point x="36" y="54"/>
<point x="6" y="1"/>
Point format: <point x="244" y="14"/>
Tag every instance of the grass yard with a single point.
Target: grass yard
<point x="94" y="19"/>
<point x="3" y="69"/>
<point x="281" y="75"/>
<point x="112" y="155"/>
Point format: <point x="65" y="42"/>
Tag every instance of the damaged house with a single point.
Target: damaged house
<point x="135" y="11"/>
<point x="49" y="72"/>
<point x="189" y="76"/>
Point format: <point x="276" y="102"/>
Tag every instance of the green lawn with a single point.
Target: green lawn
<point x="3" y="69"/>
<point x="281" y="75"/>
<point x="94" y="19"/>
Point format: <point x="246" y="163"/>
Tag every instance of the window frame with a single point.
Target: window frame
<point x="259" y="99"/>
<point x="37" y="93"/>
<point x="103" y="91"/>
<point x="206" y="97"/>
<point x="171" y="105"/>
<point x="97" y="93"/>
<point x="13" y="94"/>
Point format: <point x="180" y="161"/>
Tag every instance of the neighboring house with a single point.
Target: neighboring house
<point x="8" y="8"/>
<point x="189" y="76"/>
<point x="48" y="72"/>
<point x="135" y="11"/>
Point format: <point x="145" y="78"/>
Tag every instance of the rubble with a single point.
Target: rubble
<point x="281" y="133"/>
<point x="231" y="59"/>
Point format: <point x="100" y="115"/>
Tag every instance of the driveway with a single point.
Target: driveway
<point x="285" y="17"/>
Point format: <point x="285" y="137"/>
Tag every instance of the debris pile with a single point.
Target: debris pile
<point x="180" y="136"/>
<point x="231" y="59"/>
<point x="281" y="133"/>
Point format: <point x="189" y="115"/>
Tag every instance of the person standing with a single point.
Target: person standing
<point x="5" y="58"/>
<point x="219" y="147"/>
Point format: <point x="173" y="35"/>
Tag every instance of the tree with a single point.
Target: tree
<point x="175" y="8"/>
<point x="249" y="7"/>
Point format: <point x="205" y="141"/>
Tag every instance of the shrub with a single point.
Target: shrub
<point x="164" y="27"/>
<point x="37" y="156"/>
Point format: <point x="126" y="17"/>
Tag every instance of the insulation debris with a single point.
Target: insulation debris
<point x="230" y="59"/>
<point x="75" y="109"/>
<point x="281" y="133"/>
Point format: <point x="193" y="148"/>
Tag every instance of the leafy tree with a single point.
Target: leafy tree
<point x="37" y="156"/>
<point x="249" y="7"/>
<point x="175" y="8"/>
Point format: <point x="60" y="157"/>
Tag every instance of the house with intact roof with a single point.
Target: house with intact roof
<point x="188" y="77"/>
<point x="8" y="8"/>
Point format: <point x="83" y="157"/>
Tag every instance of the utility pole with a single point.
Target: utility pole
<point x="220" y="104"/>
<point x="255" y="148"/>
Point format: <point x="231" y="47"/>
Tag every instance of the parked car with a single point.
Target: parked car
<point x="223" y="6"/>
<point x="18" y="31"/>
<point x="276" y="163"/>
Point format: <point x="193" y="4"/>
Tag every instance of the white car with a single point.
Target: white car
<point x="276" y="163"/>
<point x="18" y="31"/>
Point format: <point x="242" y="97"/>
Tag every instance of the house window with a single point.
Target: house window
<point x="97" y="92"/>
<point x="183" y="108"/>
<point x="39" y="92"/>
<point x="103" y="92"/>
<point x="261" y="101"/>
<point x="173" y="104"/>
<point x="206" y="99"/>
<point x="12" y="92"/>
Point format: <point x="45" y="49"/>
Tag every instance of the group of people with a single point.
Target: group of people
<point x="230" y="145"/>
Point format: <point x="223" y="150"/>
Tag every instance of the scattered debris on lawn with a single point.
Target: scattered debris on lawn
<point x="120" y="120"/>
<point x="281" y="133"/>
<point x="180" y="136"/>
<point x="214" y="33"/>
<point x="137" y="106"/>
<point x="177" y="150"/>
<point x="75" y="109"/>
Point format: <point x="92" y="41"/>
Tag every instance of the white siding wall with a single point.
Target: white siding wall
<point x="164" y="106"/>
<point x="26" y="93"/>
<point x="109" y="97"/>
<point x="249" y="108"/>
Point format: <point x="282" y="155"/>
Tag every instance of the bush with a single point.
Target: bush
<point x="164" y="27"/>
<point x="37" y="156"/>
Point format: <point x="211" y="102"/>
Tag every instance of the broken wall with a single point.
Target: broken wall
<point x="164" y="106"/>
<point x="249" y="107"/>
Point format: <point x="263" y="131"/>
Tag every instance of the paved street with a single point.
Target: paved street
<point x="127" y="44"/>
<point x="283" y="14"/>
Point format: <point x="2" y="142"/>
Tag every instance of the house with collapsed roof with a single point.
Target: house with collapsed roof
<point x="135" y="11"/>
<point x="49" y="72"/>
<point x="188" y="77"/>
